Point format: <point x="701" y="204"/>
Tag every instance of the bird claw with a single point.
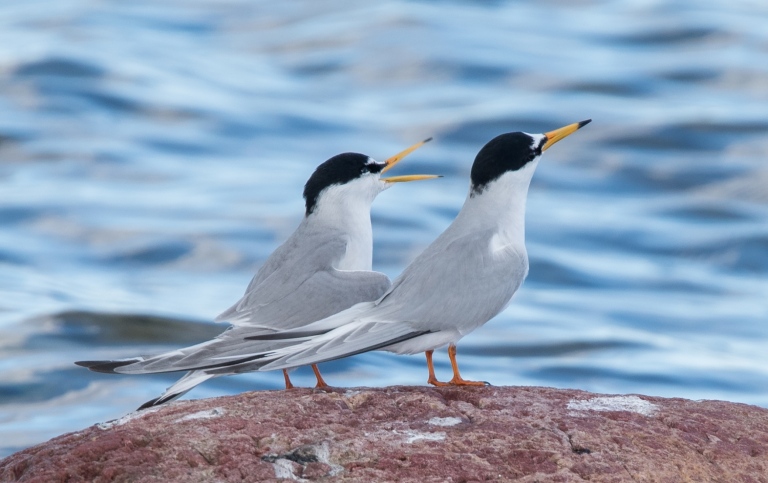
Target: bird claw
<point x="458" y="382"/>
<point x="470" y="383"/>
<point x="437" y="383"/>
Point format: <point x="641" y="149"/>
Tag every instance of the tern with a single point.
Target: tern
<point x="324" y="267"/>
<point x="458" y="283"/>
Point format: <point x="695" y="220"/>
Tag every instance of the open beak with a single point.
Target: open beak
<point x="558" y="134"/>
<point x="399" y="157"/>
<point x="391" y="162"/>
<point x="410" y="177"/>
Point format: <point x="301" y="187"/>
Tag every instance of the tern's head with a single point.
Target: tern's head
<point x="354" y="179"/>
<point x="514" y="155"/>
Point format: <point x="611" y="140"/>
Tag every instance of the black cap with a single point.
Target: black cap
<point x="339" y="169"/>
<point x="507" y="152"/>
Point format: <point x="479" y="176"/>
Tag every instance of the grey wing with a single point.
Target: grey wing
<point x="285" y="269"/>
<point x="456" y="285"/>
<point x="300" y="256"/>
<point x="298" y="285"/>
<point x="282" y="304"/>
<point x="347" y="340"/>
<point x="229" y="348"/>
<point x="322" y="295"/>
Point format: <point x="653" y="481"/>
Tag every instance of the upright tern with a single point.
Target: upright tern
<point x="463" y="279"/>
<point x="324" y="267"/>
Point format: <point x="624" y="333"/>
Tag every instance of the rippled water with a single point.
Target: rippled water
<point x="153" y="154"/>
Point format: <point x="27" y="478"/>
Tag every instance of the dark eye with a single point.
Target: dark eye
<point x="374" y="167"/>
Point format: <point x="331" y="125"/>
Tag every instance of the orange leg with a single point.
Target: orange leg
<point x="288" y="384"/>
<point x="432" y="379"/>
<point x="457" y="379"/>
<point x="320" y="382"/>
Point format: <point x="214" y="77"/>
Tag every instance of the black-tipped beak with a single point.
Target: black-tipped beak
<point x="391" y="162"/>
<point x="558" y="134"/>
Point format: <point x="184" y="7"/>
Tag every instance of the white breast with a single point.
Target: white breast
<point x="359" y="254"/>
<point x="347" y="209"/>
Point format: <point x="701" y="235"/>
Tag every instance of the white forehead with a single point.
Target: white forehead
<point x="372" y="161"/>
<point x="537" y="138"/>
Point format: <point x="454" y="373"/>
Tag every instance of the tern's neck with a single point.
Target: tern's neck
<point x="352" y="220"/>
<point x="500" y="207"/>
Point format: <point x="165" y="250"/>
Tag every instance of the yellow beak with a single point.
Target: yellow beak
<point x="558" y="134"/>
<point x="410" y="177"/>
<point x="391" y="162"/>
<point x="399" y="157"/>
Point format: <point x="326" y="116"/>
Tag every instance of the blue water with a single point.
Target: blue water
<point x="152" y="154"/>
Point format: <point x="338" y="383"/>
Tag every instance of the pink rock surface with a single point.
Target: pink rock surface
<point x="415" y="434"/>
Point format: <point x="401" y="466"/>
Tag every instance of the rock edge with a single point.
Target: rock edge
<point x="404" y="433"/>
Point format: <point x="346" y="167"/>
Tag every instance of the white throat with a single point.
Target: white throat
<point x="347" y="209"/>
<point x="500" y="207"/>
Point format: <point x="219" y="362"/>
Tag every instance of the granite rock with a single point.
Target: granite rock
<point x="524" y="434"/>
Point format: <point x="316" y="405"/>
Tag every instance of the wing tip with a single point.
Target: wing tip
<point x="151" y="403"/>
<point x="107" y="367"/>
<point x="276" y="363"/>
<point x="160" y="400"/>
<point x="285" y="335"/>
